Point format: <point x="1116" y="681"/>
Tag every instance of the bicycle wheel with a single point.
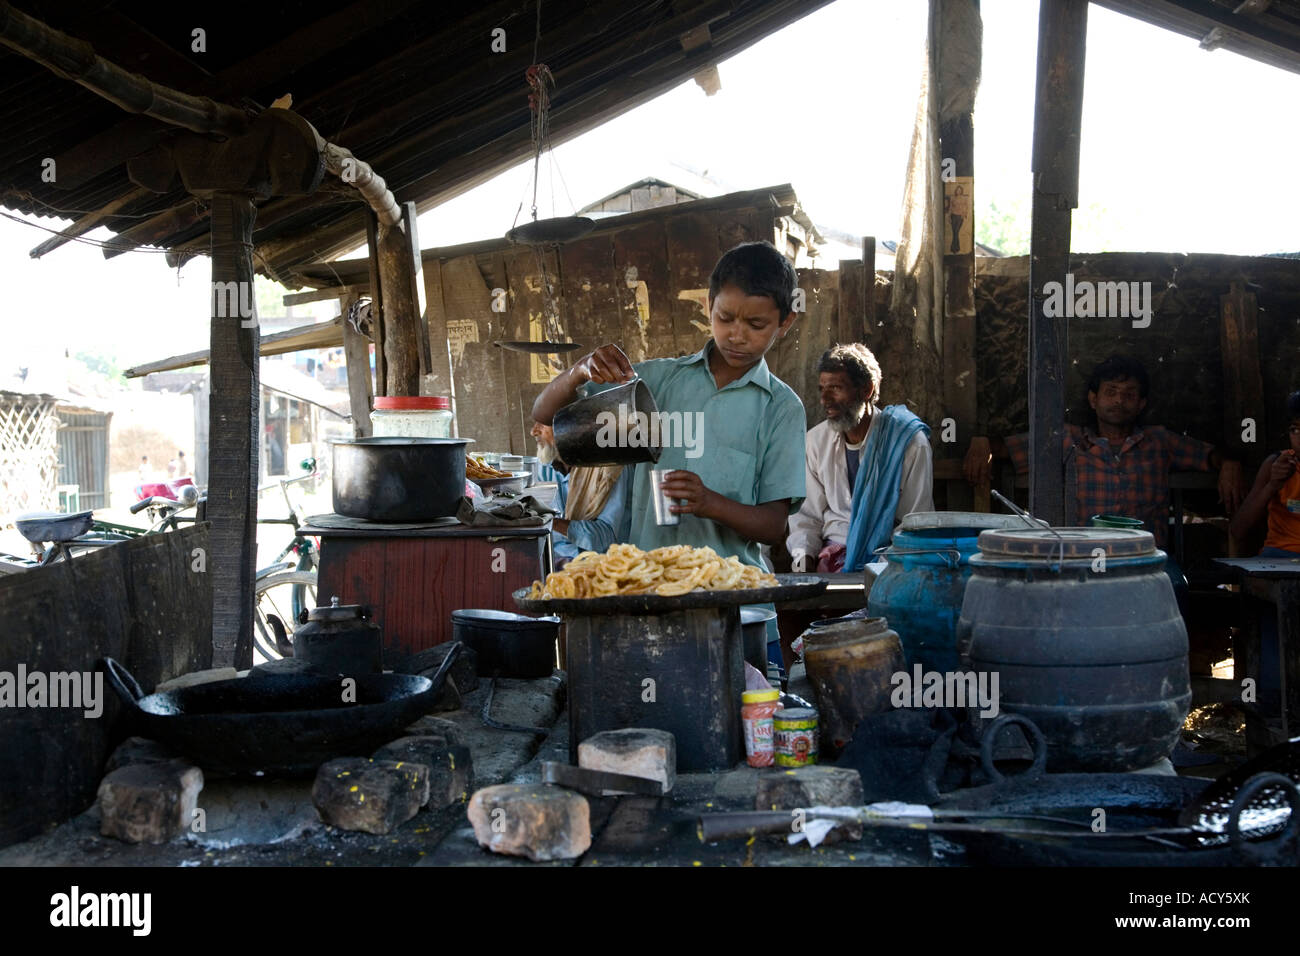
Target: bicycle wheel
<point x="274" y="597"/>
<point x="304" y="595"/>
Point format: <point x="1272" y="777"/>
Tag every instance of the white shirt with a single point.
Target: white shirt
<point x="827" y="506"/>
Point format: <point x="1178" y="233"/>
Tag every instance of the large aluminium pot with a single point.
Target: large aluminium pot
<point x="399" y="479"/>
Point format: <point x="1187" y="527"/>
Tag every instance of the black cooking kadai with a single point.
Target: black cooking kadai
<point x="279" y="724"/>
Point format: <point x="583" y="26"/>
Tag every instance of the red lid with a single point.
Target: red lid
<point x="410" y="402"/>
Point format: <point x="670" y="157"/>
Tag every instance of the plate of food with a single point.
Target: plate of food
<point x="627" y="580"/>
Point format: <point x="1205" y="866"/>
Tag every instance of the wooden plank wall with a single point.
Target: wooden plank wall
<point x="644" y="287"/>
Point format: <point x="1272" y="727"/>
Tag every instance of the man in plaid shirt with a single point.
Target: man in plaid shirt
<point x="1121" y="467"/>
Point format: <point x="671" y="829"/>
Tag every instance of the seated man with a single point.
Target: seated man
<point x="591" y="507"/>
<point x="1122" y="467"/>
<point x="866" y="467"/>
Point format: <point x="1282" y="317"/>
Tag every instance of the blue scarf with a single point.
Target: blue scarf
<point x="875" y="493"/>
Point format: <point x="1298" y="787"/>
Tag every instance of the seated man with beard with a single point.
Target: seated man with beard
<point x="591" y="500"/>
<point x="866" y="467"/>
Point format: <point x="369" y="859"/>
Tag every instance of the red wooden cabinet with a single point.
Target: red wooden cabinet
<point x="414" y="579"/>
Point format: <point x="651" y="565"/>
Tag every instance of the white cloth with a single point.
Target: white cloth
<point x="827" y="505"/>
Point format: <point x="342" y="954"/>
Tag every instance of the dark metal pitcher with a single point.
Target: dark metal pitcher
<point x="601" y="429"/>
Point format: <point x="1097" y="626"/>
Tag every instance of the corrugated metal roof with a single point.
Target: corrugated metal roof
<point x="411" y="87"/>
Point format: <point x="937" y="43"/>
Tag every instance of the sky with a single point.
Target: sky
<point x="1182" y="150"/>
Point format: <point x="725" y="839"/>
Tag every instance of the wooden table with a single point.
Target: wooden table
<point x="844" y="592"/>
<point x="414" y="576"/>
<point x="1275" y="581"/>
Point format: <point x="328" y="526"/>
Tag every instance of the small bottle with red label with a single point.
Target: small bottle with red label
<point x="756" y="714"/>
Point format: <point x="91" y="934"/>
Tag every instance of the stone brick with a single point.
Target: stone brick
<point x="135" y="750"/>
<point x="149" y="802"/>
<point x="374" y="796"/>
<point x="818" y="785"/>
<point x="426" y="663"/>
<point x="638" y="752"/>
<point x="449" y="697"/>
<point x="536" y="821"/>
<point x="451" y="775"/>
<point x="431" y="726"/>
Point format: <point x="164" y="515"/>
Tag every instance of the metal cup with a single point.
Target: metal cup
<point x="662" y="515"/>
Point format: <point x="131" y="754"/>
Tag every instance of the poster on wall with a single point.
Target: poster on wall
<point x="958" y="217"/>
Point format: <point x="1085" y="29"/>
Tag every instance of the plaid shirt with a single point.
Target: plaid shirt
<point x="1133" y="481"/>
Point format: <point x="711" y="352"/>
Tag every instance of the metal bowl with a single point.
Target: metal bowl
<point x="516" y="483"/>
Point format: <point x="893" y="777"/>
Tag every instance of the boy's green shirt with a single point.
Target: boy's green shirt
<point x="750" y="449"/>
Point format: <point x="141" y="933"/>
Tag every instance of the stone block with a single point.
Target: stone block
<point x="426" y="663"/>
<point x="135" y="750"/>
<point x="374" y="796"/>
<point x="450" y="768"/>
<point x="817" y="785"/>
<point x="638" y="752"/>
<point x="536" y="821"/>
<point x="149" y="802"/>
<point x="448" y="698"/>
<point x="436" y="727"/>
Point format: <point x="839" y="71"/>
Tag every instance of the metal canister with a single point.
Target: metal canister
<point x="794" y="732"/>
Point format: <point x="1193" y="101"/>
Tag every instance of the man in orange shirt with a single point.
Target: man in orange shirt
<point x="1276" y="493"/>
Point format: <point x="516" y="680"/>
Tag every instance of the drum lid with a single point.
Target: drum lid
<point x="1067" y="543"/>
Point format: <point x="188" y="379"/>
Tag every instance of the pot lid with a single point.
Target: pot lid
<point x="1067" y="543"/>
<point x="926" y="520"/>
<point x="338" y="612"/>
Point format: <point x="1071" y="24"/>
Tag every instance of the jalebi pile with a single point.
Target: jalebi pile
<point x="626" y="569"/>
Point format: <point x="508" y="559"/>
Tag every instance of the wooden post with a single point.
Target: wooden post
<point x="957" y="137"/>
<point x="1058" y="108"/>
<point x="403" y="288"/>
<point x="1243" y="383"/>
<point x="849" y="304"/>
<point x="361" y="387"/>
<point x="234" y="426"/>
<point x="376" y="304"/>
<point x="869" y="289"/>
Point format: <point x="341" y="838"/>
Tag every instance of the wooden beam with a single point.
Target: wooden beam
<point x="1058" y="109"/>
<point x="324" y="294"/>
<point x="89" y="222"/>
<point x="317" y="335"/>
<point x="76" y="60"/>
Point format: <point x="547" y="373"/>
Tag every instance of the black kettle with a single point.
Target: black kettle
<point x="340" y="639"/>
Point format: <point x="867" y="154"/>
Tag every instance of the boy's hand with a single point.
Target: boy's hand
<point x="1282" y="469"/>
<point x="608" y="364"/>
<point x="693" y="497"/>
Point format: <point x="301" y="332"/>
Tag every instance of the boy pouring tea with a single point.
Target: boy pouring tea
<point x="741" y="474"/>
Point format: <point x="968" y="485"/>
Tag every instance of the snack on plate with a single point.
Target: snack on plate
<point x="626" y="569"/>
<point x="477" y="469"/>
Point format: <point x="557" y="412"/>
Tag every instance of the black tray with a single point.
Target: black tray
<point x="791" y="587"/>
